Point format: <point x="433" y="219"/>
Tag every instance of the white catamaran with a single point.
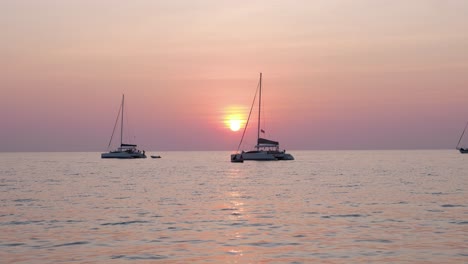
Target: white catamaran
<point x="125" y="151"/>
<point x="462" y="150"/>
<point x="265" y="149"/>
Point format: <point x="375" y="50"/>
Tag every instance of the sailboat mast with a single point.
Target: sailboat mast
<point x="259" y="109"/>
<point x="121" y="121"/>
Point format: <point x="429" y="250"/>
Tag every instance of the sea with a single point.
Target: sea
<point x="393" y="206"/>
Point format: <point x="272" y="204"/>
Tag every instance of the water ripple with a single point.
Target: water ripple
<point x="374" y="240"/>
<point x="344" y="215"/>
<point x="452" y="205"/>
<point x="25" y="200"/>
<point x="460" y="223"/>
<point x="22" y="222"/>
<point x="72" y="244"/>
<point x="12" y="244"/>
<point x="125" y="223"/>
<point x="139" y="257"/>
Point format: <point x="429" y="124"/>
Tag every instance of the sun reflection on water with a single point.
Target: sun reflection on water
<point x="237" y="217"/>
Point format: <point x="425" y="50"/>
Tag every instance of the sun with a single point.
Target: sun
<point x="235" y="124"/>
<point x="234" y="117"/>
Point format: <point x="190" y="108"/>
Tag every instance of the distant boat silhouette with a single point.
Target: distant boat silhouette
<point x="125" y="151"/>
<point x="462" y="150"/>
<point x="265" y="149"/>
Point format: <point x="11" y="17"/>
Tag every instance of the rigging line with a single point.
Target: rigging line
<point x="115" y="125"/>
<point x="462" y="135"/>
<point x="250" y="113"/>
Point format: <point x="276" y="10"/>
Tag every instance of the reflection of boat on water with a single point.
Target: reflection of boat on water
<point x="265" y="149"/>
<point x="125" y="151"/>
<point x="462" y="150"/>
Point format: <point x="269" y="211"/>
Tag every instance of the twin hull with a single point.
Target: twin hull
<point x="266" y="155"/>
<point x="123" y="155"/>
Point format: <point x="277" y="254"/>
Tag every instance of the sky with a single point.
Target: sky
<point x="337" y="74"/>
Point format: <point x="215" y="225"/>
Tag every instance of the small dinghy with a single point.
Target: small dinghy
<point x="155" y="156"/>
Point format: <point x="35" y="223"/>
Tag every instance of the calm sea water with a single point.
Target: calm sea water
<point x="197" y="207"/>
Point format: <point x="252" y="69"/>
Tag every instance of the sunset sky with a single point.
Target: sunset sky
<point x="337" y="74"/>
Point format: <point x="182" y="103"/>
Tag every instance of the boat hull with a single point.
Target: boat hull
<point x="237" y="158"/>
<point x="258" y="155"/>
<point x="463" y="151"/>
<point x="266" y="155"/>
<point x="284" y="156"/>
<point x="123" y="155"/>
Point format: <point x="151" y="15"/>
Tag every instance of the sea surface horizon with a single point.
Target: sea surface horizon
<point x="327" y="206"/>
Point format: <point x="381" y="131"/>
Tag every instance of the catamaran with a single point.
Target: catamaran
<point x="125" y="151"/>
<point x="265" y="149"/>
<point x="462" y="150"/>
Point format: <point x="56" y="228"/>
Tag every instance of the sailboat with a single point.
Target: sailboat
<point x="125" y="151"/>
<point x="462" y="150"/>
<point x="265" y="149"/>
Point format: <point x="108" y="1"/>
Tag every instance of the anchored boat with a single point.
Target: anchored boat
<point x="462" y="150"/>
<point x="125" y="151"/>
<point x="265" y="149"/>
